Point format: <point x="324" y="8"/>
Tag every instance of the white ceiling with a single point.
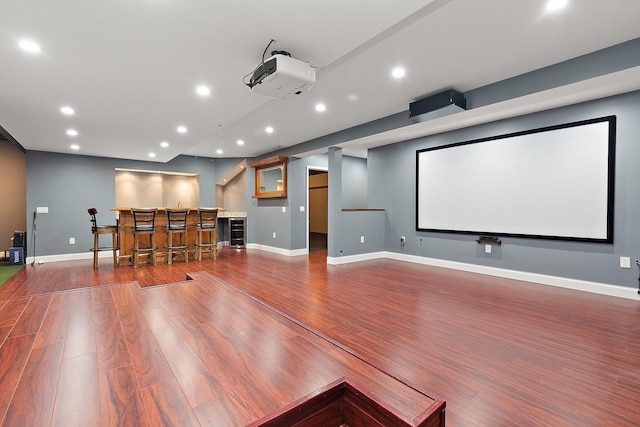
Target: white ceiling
<point x="130" y="67"/>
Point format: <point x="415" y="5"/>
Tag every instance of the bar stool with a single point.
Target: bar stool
<point x="207" y="233"/>
<point x="144" y="223"/>
<point x="97" y="230"/>
<point x="177" y="225"/>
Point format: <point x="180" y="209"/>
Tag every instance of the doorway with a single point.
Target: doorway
<point x="318" y="209"/>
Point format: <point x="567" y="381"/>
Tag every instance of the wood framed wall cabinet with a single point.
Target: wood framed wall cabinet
<point x="271" y="177"/>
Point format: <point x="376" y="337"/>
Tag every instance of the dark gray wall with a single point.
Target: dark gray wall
<point x="266" y="216"/>
<point x="224" y="166"/>
<point x="354" y="182"/>
<point x="70" y="184"/>
<point x="392" y="184"/>
<point x="346" y="229"/>
<point x="233" y="196"/>
<point x="352" y="226"/>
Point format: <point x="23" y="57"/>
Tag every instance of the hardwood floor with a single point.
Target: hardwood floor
<point x="79" y="344"/>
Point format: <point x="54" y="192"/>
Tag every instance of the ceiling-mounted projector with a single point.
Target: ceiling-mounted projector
<point x="281" y="76"/>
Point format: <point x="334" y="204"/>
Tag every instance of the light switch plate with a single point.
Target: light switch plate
<point x="625" y="262"/>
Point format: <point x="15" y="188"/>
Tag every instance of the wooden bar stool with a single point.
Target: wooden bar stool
<point x="97" y="230"/>
<point x="144" y="223"/>
<point x="207" y="233"/>
<point x="177" y="225"/>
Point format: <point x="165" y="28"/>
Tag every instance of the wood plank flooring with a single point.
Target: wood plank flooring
<point x="500" y="352"/>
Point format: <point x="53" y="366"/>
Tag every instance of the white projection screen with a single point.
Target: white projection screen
<point x="552" y="183"/>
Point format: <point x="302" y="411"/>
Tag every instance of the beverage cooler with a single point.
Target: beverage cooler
<point x="237" y="232"/>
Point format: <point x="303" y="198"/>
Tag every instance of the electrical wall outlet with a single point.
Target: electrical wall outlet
<point x="361" y="239"/>
<point x="284" y="209"/>
<point x="301" y="208"/>
<point x="487" y="249"/>
<point x="72" y="240"/>
<point x="403" y="240"/>
<point x="274" y="234"/>
<point x="42" y="209"/>
<point x="625" y="262"/>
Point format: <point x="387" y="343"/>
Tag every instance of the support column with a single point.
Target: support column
<point x="335" y="200"/>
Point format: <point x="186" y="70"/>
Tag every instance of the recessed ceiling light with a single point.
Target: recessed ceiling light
<point x="203" y="90"/>
<point x="398" y="72"/>
<point x="181" y="129"/>
<point x="72" y="132"/>
<point x="219" y="151"/>
<point x="164" y="144"/>
<point x="554" y="5"/>
<point x="240" y="142"/>
<point x="74" y="147"/>
<point x="67" y="110"/>
<point x="29" y="46"/>
<point x="268" y="129"/>
<point x="320" y="107"/>
<point x="152" y="154"/>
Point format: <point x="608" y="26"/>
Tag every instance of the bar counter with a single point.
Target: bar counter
<point x="126" y="228"/>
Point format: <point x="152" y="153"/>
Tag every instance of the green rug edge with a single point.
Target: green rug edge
<point x="7" y="271"/>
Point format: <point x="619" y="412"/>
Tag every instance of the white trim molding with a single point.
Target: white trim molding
<point x="355" y="258"/>
<point x="66" y="257"/>
<point x="279" y="251"/>
<point x="541" y="279"/>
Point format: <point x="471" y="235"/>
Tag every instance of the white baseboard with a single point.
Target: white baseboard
<point x="67" y="257"/>
<point x="279" y="251"/>
<point x="355" y="258"/>
<point x="542" y="279"/>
